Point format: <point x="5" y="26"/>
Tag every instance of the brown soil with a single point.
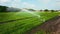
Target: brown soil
<point x="52" y="26"/>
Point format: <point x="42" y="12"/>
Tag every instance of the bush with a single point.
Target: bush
<point x="46" y="10"/>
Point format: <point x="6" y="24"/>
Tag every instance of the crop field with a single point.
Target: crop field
<point x="21" y="22"/>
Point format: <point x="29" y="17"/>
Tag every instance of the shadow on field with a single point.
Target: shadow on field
<point x="51" y="26"/>
<point x="15" y="20"/>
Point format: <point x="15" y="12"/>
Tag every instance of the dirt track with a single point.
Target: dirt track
<point x="52" y="26"/>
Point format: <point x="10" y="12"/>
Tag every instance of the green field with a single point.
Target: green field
<point x="22" y="21"/>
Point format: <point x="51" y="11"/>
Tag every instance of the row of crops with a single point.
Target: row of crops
<point x="24" y="25"/>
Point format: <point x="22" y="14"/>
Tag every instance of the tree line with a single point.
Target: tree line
<point x="9" y="9"/>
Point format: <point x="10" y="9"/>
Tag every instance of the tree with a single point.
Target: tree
<point x="3" y="9"/>
<point x="52" y="10"/>
<point x="46" y="10"/>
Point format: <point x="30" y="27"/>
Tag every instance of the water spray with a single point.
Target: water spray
<point x="25" y="10"/>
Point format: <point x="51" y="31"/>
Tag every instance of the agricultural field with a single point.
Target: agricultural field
<point x="22" y="22"/>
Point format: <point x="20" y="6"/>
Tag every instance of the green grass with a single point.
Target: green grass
<point x="21" y="26"/>
<point x="13" y="15"/>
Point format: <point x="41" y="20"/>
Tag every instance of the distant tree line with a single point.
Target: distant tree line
<point x="46" y="10"/>
<point x="9" y="9"/>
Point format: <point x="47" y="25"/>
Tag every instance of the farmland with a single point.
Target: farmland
<point x="21" y="22"/>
